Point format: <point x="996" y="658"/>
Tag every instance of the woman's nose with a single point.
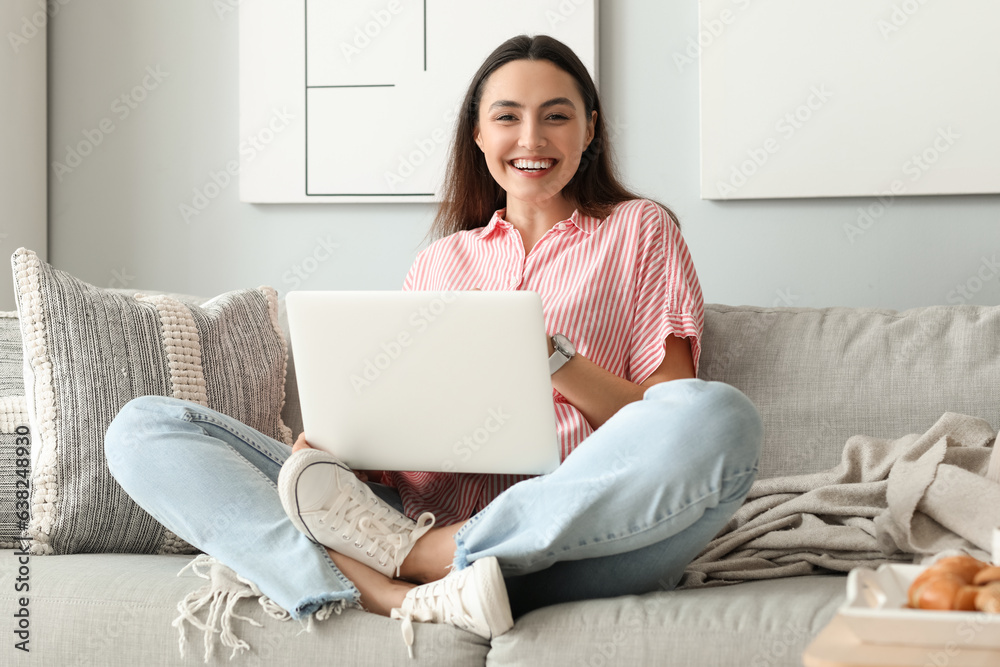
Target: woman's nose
<point x="531" y="136"/>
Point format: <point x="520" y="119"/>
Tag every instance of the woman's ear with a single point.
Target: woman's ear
<point x="478" y="137"/>
<point x="591" y="129"/>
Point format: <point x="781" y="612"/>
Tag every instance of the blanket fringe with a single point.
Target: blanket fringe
<point x="220" y="595"/>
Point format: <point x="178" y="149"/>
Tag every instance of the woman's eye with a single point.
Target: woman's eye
<point x="506" y="117"/>
<point x="558" y="116"/>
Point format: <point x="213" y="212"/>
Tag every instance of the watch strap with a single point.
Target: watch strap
<point x="556" y="361"/>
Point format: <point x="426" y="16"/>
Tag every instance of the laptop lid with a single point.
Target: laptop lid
<point x="425" y="381"/>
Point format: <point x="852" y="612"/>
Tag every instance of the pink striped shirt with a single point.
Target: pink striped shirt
<point x="615" y="287"/>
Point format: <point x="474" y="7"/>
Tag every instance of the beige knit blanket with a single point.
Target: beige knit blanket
<point x="887" y="501"/>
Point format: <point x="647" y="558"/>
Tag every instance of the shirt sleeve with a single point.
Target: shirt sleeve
<point x="414" y="275"/>
<point x="668" y="296"/>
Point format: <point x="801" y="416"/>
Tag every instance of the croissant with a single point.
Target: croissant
<point x="957" y="583"/>
<point x="988" y="598"/>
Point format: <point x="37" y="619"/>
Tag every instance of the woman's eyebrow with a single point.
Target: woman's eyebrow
<point x="555" y="101"/>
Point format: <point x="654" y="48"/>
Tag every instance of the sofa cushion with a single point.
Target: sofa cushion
<point x="819" y="376"/>
<point x="88" y="351"/>
<point x="756" y="624"/>
<point x="116" y="610"/>
<point x="13" y="409"/>
<point x="12" y="417"/>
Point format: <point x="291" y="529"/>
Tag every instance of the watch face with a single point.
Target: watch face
<point x="561" y="343"/>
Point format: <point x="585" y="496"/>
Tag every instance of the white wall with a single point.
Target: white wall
<point x="22" y="134"/>
<point x="115" y="220"/>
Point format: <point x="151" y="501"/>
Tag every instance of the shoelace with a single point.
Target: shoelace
<point x="386" y="532"/>
<point x="422" y="605"/>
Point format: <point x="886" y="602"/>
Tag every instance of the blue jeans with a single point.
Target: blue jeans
<point x="623" y="514"/>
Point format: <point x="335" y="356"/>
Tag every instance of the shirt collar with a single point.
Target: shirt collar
<point x="584" y="223"/>
<point x="495" y="222"/>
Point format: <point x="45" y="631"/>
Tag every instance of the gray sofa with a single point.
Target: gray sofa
<point x="818" y="376"/>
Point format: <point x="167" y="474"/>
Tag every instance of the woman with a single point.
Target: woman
<point x="655" y="462"/>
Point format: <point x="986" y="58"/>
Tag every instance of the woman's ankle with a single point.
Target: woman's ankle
<point x="431" y="557"/>
<point x="379" y="593"/>
<point x="383" y="600"/>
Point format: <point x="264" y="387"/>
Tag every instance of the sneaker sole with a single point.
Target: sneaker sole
<point x="494" y="594"/>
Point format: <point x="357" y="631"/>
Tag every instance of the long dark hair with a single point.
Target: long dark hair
<point x="470" y="193"/>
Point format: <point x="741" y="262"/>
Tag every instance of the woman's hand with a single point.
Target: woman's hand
<point x="363" y="475"/>
<point x="301" y="443"/>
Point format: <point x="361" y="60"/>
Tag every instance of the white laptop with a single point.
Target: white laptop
<point x="425" y="381"/>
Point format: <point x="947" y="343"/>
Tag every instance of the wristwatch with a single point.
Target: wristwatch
<point x="564" y="352"/>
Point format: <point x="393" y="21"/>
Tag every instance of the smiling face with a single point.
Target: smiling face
<point x="533" y="128"/>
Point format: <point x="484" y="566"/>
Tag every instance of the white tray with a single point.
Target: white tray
<point x="876" y="612"/>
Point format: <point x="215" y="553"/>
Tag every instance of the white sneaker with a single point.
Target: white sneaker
<point x="473" y="599"/>
<point x="325" y="500"/>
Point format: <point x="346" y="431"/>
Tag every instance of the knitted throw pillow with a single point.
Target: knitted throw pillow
<point x="88" y="351"/>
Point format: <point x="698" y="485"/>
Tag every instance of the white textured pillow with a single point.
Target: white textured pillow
<point x="88" y="351"/>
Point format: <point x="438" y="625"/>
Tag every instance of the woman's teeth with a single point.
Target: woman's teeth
<point x="532" y="165"/>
